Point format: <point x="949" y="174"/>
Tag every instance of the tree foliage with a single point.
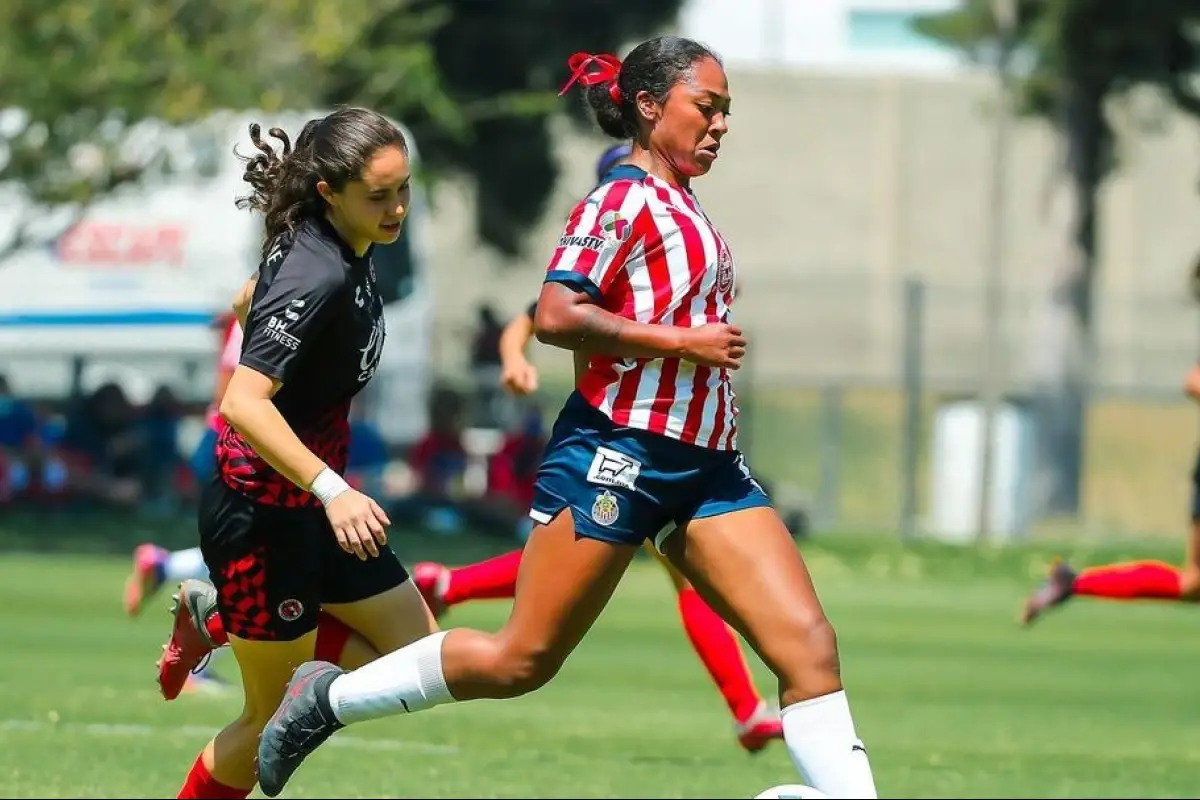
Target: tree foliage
<point x="501" y="64"/>
<point x="1071" y="59"/>
<point x="1103" y="47"/>
<point x="474" y="79"/>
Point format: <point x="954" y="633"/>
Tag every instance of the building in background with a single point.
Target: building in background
<point x="841" y="35"/>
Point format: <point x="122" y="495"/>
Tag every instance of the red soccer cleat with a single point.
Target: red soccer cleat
<point x="759" y="729"/>
<point x="432" y="580"/>
<point x="190" y="644"/>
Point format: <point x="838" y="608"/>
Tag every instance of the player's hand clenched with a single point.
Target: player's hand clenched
<point x="358" y="522"/>
<point x="519" y="377"/>
<point x="717" y="345"/>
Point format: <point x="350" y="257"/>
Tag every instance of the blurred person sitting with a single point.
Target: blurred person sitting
<point x="439" y="461"/>
<point x="512" y="470"/>
<point x="439" y="458"/>
<point x="28" y="468"/>
<point x="161" y="460"/>
<point x="490" y="405"/>
<point x="105" y="449"/>
<point x="368" y="458"/>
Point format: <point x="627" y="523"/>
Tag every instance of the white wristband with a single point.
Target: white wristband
<point x="328" y="485"/>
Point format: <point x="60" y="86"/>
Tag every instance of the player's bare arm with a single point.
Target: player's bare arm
<point x="1191" y="385"/>
<point x="242" y="300"/>
<point x="569" y="319"/>
<point x="517" y="375"/>
<point x="515" y="337"/>
<point x="247" y="406"/>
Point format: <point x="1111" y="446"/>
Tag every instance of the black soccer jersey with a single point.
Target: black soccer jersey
<point x="316" y="325"/>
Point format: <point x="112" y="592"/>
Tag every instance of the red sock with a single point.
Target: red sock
<point x="332" y="635"/>
<point x="493" y="579"/>
<point x="216" y="630"/>
<point x="201" y="785"/>
<point x="1129" y="581"/>
<point x="720" y="652"/>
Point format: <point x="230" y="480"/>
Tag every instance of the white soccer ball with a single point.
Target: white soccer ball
<point x="791" y="791"/>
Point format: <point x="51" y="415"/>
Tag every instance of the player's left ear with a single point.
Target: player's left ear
<point x="649" y="109"/>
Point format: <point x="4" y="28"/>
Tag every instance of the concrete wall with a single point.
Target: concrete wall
<point x="832" y="189"/>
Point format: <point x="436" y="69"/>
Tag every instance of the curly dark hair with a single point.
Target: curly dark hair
<point x="334" y="149"/>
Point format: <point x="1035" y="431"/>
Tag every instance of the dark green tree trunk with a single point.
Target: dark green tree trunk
<point x="1063" y="348"/>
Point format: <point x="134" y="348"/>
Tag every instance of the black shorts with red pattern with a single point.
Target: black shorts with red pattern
<point x="273" y="566"/>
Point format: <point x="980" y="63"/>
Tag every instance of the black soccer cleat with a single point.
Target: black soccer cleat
<point x="303" y="721"/>
<point x="1055" y="590"/>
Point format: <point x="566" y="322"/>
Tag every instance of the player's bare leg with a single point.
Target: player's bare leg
<point x="564" y="583"/>
<point x="444" y="587"/>
<point x="1136" y="580"/>
<point x="226" y="766"/>
<point x="746" y="565"/>
<point x="198" y="631"/>
<point x="756" y="722"/>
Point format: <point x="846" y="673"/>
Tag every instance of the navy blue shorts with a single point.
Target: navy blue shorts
<point x="625" y="485"/>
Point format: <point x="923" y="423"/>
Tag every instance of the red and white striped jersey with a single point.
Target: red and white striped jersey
<point x="645" y="250"/>
<point x="227" y="361"/>
<point x="231" y="346"/>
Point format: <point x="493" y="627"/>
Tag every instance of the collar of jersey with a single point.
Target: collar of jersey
<point x="624" y="172"/>
<point x="629" y="172"/>
<point x="328" y="231"/>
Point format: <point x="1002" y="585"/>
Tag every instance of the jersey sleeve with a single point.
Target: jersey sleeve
<point x="599" y="237"/>
<point x="291" y="312"/>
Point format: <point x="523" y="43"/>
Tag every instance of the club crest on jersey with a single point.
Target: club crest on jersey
<point x="604" y="509"/>
<point x="725" y="271"/>
<point x="616" y="228"/>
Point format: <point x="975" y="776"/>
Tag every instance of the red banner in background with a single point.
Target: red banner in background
<point x="119" y="245"/>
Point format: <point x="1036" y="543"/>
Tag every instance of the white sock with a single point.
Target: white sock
<point x="821" y="740"/>
<point x="184" y="564"/>
<point x="406" y="680"/>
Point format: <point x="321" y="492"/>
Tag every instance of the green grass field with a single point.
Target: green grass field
<point x="952" y="698"/>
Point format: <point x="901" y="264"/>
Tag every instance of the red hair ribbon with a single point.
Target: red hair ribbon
<point x="608" y="69"/>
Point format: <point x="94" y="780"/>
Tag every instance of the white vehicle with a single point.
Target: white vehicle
<point x="129" y="289"/>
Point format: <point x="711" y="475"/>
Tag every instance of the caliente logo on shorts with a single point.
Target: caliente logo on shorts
<point x="604" y="510"/>
<point x="291" y="610"/>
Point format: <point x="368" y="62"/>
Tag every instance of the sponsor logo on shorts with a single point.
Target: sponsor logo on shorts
<point x="610" y="468"/>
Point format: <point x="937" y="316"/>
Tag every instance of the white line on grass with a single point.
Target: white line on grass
<point x="110" y="729"/>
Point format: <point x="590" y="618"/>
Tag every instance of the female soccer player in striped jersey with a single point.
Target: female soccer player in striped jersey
<point x="640" y="284"/>
<point x="755" y="722"/>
